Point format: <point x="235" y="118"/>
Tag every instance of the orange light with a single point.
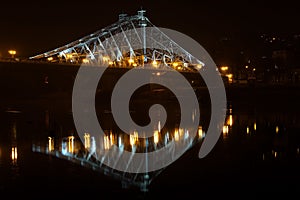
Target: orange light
<point x="224" y="68"/>
<point x="130" y="60"/>
<point x="85" y="60"/>
<point x="175" y="64"/>
<point x="156" y="137"/>
<point x="12" y="53"/>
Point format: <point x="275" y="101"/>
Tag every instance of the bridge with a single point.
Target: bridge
<point x="127" y="43"/>
<point x="132" y="41"/>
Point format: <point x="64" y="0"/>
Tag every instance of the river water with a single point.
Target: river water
<point x="258" y="152"/>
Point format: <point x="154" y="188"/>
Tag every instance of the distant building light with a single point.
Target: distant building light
<point x="224" y="68"/>
<point x="12" y="53"/>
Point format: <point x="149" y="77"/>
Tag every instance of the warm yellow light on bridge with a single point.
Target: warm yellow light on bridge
<point x="176" y="135"/>
<point x="85" y="60"/>
<point x="50" y="58"/>
<point x="69" y="56"/>
<point x="199" y="66"/>
<point x="155" y="63"/>
<point x="106" y="142"/>
<point x="130" y="60"/>
<point x="105" y="58"/>
<point x="133" y="138"/>
<point x="175" y="64"/>
<point x="112" y="139"/>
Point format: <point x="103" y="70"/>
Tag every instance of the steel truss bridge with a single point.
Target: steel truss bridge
<point x="132" y="41"/>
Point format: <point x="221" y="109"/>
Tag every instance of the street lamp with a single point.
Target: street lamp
<point x="12" y="53"/>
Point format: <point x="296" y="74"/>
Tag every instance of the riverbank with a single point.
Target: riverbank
<point x="48" y="84"/>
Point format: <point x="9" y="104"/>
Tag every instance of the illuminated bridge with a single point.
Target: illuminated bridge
<point x="133" y="41"/>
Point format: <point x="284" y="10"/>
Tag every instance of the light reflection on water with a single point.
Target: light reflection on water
<point x="259" y="137"/>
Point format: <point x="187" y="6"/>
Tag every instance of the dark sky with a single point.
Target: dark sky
<point x="33" y="27"/>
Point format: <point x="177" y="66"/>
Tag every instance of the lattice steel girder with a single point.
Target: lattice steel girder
<point x="122" y="42"/>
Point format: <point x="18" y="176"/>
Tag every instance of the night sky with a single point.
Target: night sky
<point x="33" y="27"/>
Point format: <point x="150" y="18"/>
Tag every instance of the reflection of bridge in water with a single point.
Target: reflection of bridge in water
<point x="85" y="154"/>
<point x="125" y="44"/>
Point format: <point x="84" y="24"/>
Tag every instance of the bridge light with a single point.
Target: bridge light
<point x="155" y="63"/>
<point x="69" y="56"/>
<point x="175" y="64"/>
<point x="106" y="142"/>
<point x="105" y="59"/>
<point x="176" y="135"/>
<point x="199" y="66"/>
<point x="130" y="60"/>
<point x="112" y="139"/>
<point x="85" y="60"/>
<point x="50" y="58"/>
